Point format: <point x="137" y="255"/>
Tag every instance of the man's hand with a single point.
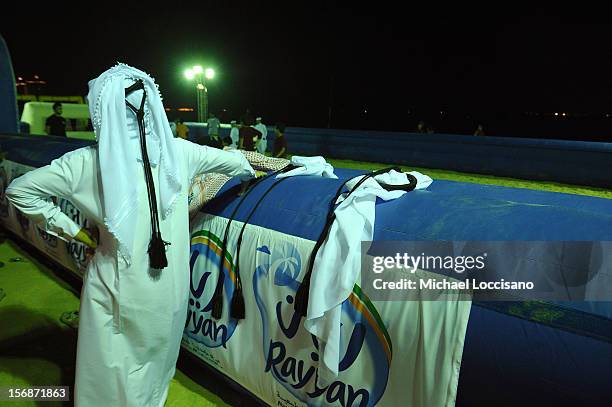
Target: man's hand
<point x="84" y="237"/>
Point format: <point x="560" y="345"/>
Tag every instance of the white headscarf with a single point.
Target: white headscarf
<point x="119" y="151"/>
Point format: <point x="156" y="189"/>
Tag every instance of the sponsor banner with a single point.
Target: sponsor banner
<point x="391" y="353"/>
<point x="488" y="270"/>
<point x="71" y="255"/>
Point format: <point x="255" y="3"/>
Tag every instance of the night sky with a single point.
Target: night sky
<point x="290" y="63"/>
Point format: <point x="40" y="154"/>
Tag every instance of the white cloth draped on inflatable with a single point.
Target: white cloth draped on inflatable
<point x="338" y="262"/>
<point x="315" y="166"/>
<point x="131" y="317"/>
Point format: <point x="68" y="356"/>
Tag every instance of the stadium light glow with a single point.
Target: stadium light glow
<point x="189" y="74"/>
<point x="200" y="75"/>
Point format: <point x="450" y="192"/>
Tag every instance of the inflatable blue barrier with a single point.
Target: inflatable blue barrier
<point x="574" y="162"/>
<point x="39" y="151"/>
<point x="508" y="345"/>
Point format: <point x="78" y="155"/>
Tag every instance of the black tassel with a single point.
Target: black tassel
<point x="157" y="246"/>
<point x="237" y="308"/>
<point x="301" y="298"/>
<point x="217" y="299"/>
<point x="217" y="307"/>
<point x="157" y="253"/>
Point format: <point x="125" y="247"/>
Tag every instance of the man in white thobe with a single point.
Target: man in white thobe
<point x="131" y="316"/>
<point x="234" y="134"/>
<point x="262" y="144"/>
<point x="213" y="124"/>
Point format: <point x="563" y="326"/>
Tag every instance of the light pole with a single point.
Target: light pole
<point x="201" y="75"/>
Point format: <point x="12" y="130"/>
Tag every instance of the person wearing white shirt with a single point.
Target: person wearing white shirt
<point x="234" y="133"/>
<point x="213" y="125"/>
<point x="263" y="142"/>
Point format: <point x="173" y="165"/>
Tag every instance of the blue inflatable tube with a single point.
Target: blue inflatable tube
<point x="512" y="355"/>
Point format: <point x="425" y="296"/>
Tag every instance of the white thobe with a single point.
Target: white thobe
<point x="263" y="142"/>
<point x="131" y="317"/>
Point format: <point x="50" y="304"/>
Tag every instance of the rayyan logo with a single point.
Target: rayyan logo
<point x="293" y="355"/>
<point x="200" y="326"/>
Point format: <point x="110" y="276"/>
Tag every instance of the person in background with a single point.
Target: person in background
<point x="234" y="132"/>
<point x="248" y="136"/>
<point x="262" y="145"/>
<point x="280" y="142"/>
<point x="479" y="131"/>
<point x="213" y="128"/>
<point x="56" y="123"/>
<point x="421" y="127"/>
<point x="182" y="130"/>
